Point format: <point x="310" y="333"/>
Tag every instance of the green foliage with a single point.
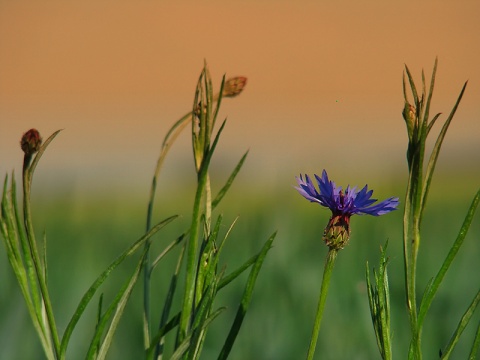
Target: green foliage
<point x="419" y="125"/>
<point x="202" y="246"/>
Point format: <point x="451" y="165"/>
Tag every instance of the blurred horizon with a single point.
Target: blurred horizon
<point x="324" y="85"/>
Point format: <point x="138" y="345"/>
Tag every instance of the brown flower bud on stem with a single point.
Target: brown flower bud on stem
<point x="234" y="86"/>
<point x="30" y="144"/>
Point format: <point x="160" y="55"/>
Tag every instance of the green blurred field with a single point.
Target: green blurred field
<point x="86" y="232"/>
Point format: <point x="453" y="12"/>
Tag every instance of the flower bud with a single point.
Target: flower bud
<point x="31" y="142"/>
<point x="234" y="86"/>
<point x="337" y="232"/>
<point x="409" y="114"/>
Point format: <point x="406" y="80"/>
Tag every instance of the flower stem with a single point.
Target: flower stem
<point x="327" y="273"/>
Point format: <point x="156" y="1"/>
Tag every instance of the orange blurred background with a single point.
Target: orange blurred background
<point x="324" y="83"/>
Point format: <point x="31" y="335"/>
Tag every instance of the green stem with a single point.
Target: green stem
<point x="27" y="180"/>
<point x="327" y="273"/>
<point x="192" y="246"/>
<point x="147" y="266"/>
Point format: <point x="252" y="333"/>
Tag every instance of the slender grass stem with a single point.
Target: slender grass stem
<point x="327" y="273"/>
<point x="27" y="180"/>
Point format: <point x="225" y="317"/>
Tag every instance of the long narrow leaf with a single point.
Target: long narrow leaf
<point x="229" y="182"/>
<point x="119" y="303"/>
<point x="102" y="277"/>
<point x="432" y="290"/>
<point x="436" y="151"/>
<point x="412" y="85"/>
<point x="461" y="326"/>
<point x="185" y="344"/>
<point x="247" y="296"/>
<point x="430" y="92"/>
<point x="475" y="345"/>
<point x="167" y="305"/>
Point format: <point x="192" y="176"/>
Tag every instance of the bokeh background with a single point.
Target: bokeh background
<point x="324" y="91"/>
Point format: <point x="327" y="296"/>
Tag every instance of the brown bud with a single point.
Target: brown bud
<point x="234" y="86"/>
<point x="31" y="142"/>
<point x="410" y="116"/>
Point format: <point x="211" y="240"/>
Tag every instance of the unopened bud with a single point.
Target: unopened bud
<point x="410" y="115"/>
<point x="31" y="142"/>
<point x="234" y="86"/>
<point x="337" y="232"/>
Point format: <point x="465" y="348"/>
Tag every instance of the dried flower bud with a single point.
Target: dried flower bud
<point x="234" y="86"/>
<point x="31" y="142"/>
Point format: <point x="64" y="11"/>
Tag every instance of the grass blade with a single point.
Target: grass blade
<point x="432" y="290"/>
<point x="247" y="296"/>
<point x="102" y="277"/>
<point x="436" y="151"/>
<point x="119" y="303"/>
<point x="475" y="345"/>
<point x="229" y="182"/>
<point x="461" y="326"/>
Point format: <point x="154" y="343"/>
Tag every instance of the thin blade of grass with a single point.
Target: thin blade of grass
<point x="236" y="273"/>
<point x="461" y="326"/>
<point x="185" y="344"/>
<point x="432" y="122"/>
<point x="229" y="182"/>
<point x="102" y="277"/>
<point x="40" y="152"/>
<point x="167" y="306"/>
<point x="412" y="85"/>
<point x="475" y="345"/>
<point x="436" y="151"/>
<point x="165" y="329"/>
<point x="430" y="92"/>
<point x="119" y="303"/>
<point x="246" y="298"/>
<point x="432" y="290"/>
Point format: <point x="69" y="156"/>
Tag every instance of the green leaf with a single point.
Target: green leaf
<point x="475" y="345"/>
<point x="245" y="302"/>
<point x="461" y="326"/>
<point x="436" y="151"/>
<point x="379" y="301"/>
<point x="185" y="344"/>
<point x="229" y="182"/>
<point x="40" y="152"/>
<point x="167" y="306"/>
<point x="102" y="277"/>
<point x="412" y="86"/>
<point x="433" y="288"/>
<point x="118" y="304"/>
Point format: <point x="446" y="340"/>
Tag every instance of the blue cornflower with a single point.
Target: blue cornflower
<point x="343" y="204"/>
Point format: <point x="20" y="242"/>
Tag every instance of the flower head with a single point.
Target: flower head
<point x="343" y="204"/>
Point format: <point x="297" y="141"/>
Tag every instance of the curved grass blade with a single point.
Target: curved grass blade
<point x="40" y="152"/>
<point x="430" y="92"/>
<point x="185" y="344"/>
<point x="432" y="290"/>
<point x="412" y="86"/>
<point x="118" y="304"/>
<point x="475" y="345"/>
<point x="102" y="277"/>
<point x="229" y="182"/>
<point x="157" y="342"/>
<point x="436" y="151"/>
<point x="245" y="302"/>
<point x="461" y="326"/>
